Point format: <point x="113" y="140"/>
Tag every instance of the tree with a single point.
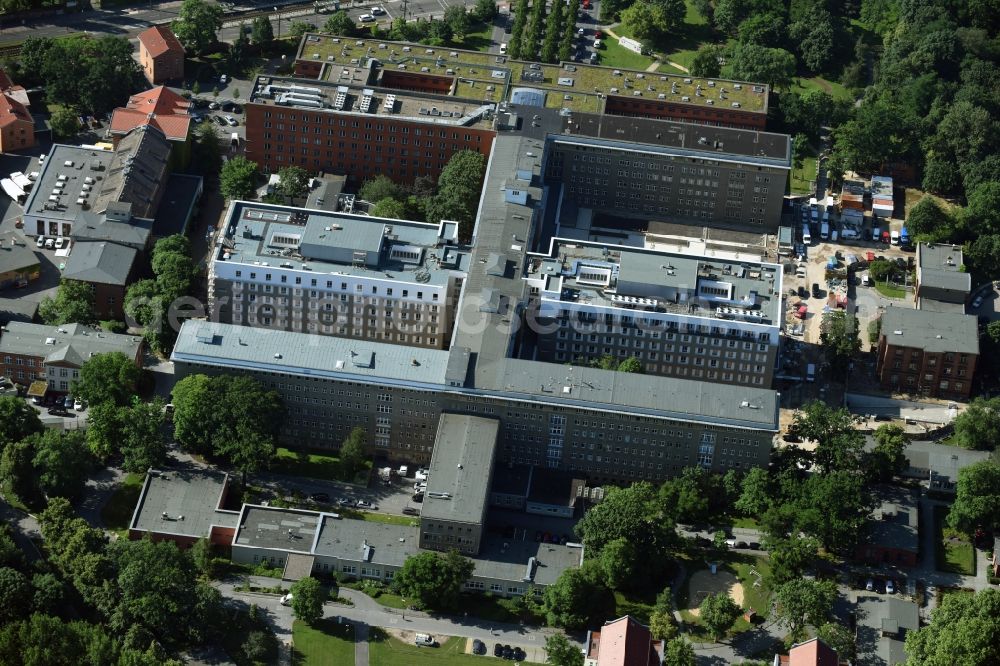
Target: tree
<point x="104" y="429"/>
<point x="662" y="625"/>
<point x="834" y="507"/>
<point x="261" y="31"/>
<point x="142" y="444"/>
<point x="887" y="458"/>
<point x="964" y="629"/>
<point x="206" y="148"/>
<point x="112" y="377"/>
<point x="90" y="75"/>
<point x="839" y="336"/>
<point x="73" y="304"/>
<point x="839" y="445"/>
<point x="759" y="63"/>
<point x="767" y="29"/>
<point x="838" y="637"/>
<point x="238" y="178"/>
<point x="307" y="600"/>
<point x="294" y="182"/>
<point x="706" y="61"/>
<point x="977" y="498"/>
<point x="61" y="462"/>
<point x="389" y="208"/>
<point x="381" y="187"/>
<point x="458" y="192"/>
<point x="49" y="594"/>
<point x="433" y="580"/>
<point x="620" y="561"/>
<point x="16" y="594"/>
<point x="352" y="452"/>
<point x="339" y="23"/>
<point x="814" y="34"/>
<point x="718" y="612"/>
<point x="299" y="28"/>
<point x="679" y="652"/>
<point x="927" y="217"/>
<point x="629" y="513"/>
<point x="197" y="24"/>
<point x="578" y="598"/>
<point x="261" y="646"/>
<point x="803" y="601"/>
<point x="17" y="471"/>
<point x="978" y="426"/>
<point x="984" y="255"/>
<point x="202" y="556"/>
<point x="631" y="364"/>
<point x="457" y="19"/>
<point x="194" y="413"/>
<point x="754" y="496"/>
<point x="484" y="10"/>
<point x="647" y="20"/>
<point x="65" y="123"/>
<point x="791" y="557"/>
<point x="560" y="652"/>
<point x="18" y="420"/>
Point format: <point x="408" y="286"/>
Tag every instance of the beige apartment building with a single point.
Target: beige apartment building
<point x="337" y="274"/>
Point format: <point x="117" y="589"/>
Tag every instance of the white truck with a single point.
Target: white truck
<point x="21" y="180"/>
<point x="12" y="190"/>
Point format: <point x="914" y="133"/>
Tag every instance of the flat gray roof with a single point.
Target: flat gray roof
<point x="894" y="522"/>
<point x="183" y="502"/>
<point x="458" y="479"/>
<point x="102" y="263"/>
<point x="177" y="204"/>
<point x="876" y="614"/>
<point x="726" y="144"/>
<point x="327" y="243"/>
<point x="274" y="528"/>
<point x="70" y="167"/>
<point x="69" y="343"/>
<point x="300" y="354"/>
<point x="934" y="332"/>
<point x="508" y="559"/>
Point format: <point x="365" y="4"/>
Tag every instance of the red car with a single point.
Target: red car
<point x="801" y="311"/>
<point x="598" y="34"/>
<point x="885" y="237"/>
<point x="586" y="4"/>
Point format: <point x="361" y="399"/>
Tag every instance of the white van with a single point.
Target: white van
<point x="424" y="640"/>
<point x="597" y="43"/>
<point x="811" y="372"/>
<point x="894" y="237"/>
<point x="503" y="48"/>
<point x="806" y="236"/>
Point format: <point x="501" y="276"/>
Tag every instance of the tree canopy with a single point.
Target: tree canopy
<point x="238" y="178"/>
<point x="197" y="24"/>
<point x="579" y="598"/>
<point x="72" y="304"/>
<point x="802" y="601"/>
<point x="560" y="652"/>
<point x="458" y="191"/>
<point x="964" y="629"/>
<point x="978" y="426"/>
<point x="433" y="580"/>
<point x="307" y="600"/>
<point x="977" y="498"/>
<point x="18" y="420"/>
<point x="112" y="377"/>
<point x="718" y="612"/>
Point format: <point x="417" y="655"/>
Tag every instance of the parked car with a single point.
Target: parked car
<point x="418" y="497"/>
<point x="815" y="290"/>
<point x="870" y="585"/>
<point x="67" y="402"/>
<point x="58" y="411"/>
<point x="320" y="497"/>
<point x="478" y="647"/>
<point x="498" y="650"/>
<point x="890" y="586"/>
<point x="62" y="243"/>
<point x="219" y="120"/>
<point x="366" y="18"/>
<point x="228" y="106"/>
<point x="519" y="654"/>
<point x="344" y="501"/>
<point x="79" y="405"/>
<point x="50" y="243"/>
<point x="224" y="78"/>
<point x="232" y="121"/>
<point x="424" y="640"/>
<point x="214" y="106"/>
<point x="410" y="511"/>
<point x="377" y="11"/>
<point x="286" y="600"/>
<point x="364" y="504"/>
<point x="803" y="292"/>
<point x="40" y="242"/>
<point x="977" y="301"/>
<point x="508" y="652"/>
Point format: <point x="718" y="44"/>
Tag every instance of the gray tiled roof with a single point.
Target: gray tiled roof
<point x="74" y="343"/>
<point x="15" y="253"/>
<point x="136" y="172"/>
<point x="91" y="226"/>
<point x="102" y="263"/>
<point x="934" y="332"/>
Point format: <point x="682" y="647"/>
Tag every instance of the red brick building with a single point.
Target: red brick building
<point x="623" y="642"/>
<point x="162" y="108"/>
<point x="400" y="135"/>
<point x="161" y="55"/>
<point x="17" y="127"/>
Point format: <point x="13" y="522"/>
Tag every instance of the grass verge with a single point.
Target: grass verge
<point x="117" y="513"/>
<point x="803" y="176"/>
<point x="954" y="552"/>
<point x="326" y="644"/>
<point x="384" y="650"/>
<point x="889" y="290"/>
<point x="612" y="54"/>
<point x="314" y="465"/>
<point x="832" y="88"/>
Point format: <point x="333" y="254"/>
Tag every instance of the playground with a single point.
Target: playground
<point x="741" y="579"/>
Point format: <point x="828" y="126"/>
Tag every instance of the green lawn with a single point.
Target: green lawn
<point x="832" y="88"/>
<point x="117" y="513"/>
<point x="314" y="465"/>
<point x="955" y="553"/>
<point x="638" y="606"/>
<point x="890" y="290"/>
<point x="803" y="176"/>
<point x="614" y="55"/>
<point x="326" y="644"/>
<point x="480" y="38"/>
<point x="384" y="650"/>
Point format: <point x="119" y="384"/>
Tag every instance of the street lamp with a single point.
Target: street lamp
<point x="279" y="22"/>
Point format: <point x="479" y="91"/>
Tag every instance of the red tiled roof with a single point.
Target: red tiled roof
<point x="11" y="110"/>
<point x="626" y="642"/>
<point x="159" y="107"/>
<point x="159" y="40"/>
<point x="175" y="128"/>
<point x="159" y="100"/>
<point x="812" y="653"/>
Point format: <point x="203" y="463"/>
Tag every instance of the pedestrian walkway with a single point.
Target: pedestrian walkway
<point x="360" y="644"/>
